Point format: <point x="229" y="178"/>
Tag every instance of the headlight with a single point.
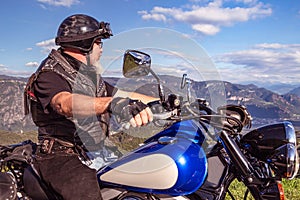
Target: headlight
<point x="285" y="161"/>
<point x="277" y="145"/>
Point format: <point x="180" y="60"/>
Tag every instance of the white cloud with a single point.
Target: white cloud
<point x="6" y="70"/>
<point x="32" y="64"/>
<point x="153" y="16"/>
<point x="272" y="62"/>
<point x="272" y="56"/>
<point x="247" y="1"/>
<point x="47" y="45"/>
<point x="208" y="19"/>
<point x="65" y="3"/>
<point x="206" y="29"/>
<point x="270" y="46"/>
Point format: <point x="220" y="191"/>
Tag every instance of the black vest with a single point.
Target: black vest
<point x="91" y="130"/>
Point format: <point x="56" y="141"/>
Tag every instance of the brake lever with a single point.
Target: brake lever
<point x="165" y="115"/>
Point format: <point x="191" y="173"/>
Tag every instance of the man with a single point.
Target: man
<point x="71" y="105"/>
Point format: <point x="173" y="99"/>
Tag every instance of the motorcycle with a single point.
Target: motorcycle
<point x="198" y="155"/>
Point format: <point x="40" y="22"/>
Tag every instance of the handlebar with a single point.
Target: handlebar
<point x="156" y="117"/>
<point x="165" y="115"/>
<point x="202" y="113"/>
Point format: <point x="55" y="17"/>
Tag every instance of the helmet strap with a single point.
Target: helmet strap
<point x="88" y="58"/>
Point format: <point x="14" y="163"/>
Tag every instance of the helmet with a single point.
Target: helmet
<point x="80" y="32"/>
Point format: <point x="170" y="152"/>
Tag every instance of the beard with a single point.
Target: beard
<point x="99" y="68"/>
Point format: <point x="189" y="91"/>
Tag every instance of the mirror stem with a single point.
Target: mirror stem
<point x="160" y="88"/>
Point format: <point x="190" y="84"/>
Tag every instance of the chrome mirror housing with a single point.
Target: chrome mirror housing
<point x="136" y="64"/>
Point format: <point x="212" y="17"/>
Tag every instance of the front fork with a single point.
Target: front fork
<point x="259" y="186"/>
<point x="224" y="167"/>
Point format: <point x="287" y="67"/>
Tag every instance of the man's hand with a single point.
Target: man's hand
<point x="142" y="118"/>
<point x="133" y="111"/>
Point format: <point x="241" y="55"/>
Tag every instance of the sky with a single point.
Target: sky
<point x="240" y="41"/>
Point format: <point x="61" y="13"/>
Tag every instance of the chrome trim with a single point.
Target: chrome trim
<point x="290" y="133"/>
<point x="292" y="157"/>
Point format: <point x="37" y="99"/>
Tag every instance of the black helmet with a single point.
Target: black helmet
<point x="80" y="32"/>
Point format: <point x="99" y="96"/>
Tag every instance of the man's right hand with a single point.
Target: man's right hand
<point x="133" y="111"/>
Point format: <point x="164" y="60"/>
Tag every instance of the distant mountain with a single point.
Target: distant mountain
<point x="264" y="105"/>
<point x="279" y="88"/>
<point x="5" y="77"/>
<point x="261" y="103"/>
<point x="295" y="91"/>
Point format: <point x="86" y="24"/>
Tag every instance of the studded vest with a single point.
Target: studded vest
<point x="91" y="130"/>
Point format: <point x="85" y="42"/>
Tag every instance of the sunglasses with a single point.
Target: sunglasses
<point x="98" y="42"/>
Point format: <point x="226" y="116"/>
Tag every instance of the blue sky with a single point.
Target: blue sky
<point x="249" y="41"/>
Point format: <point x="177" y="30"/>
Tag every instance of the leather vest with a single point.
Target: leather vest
<point x="91" y="130"/>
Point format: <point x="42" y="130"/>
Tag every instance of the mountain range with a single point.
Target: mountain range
<point x="264" y="105"/>
<point x="295" y="91"/>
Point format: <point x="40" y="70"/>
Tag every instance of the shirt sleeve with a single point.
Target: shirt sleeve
<point x="48" y="85"/>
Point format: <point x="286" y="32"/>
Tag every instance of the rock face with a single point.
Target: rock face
<point x="264" y="105"/>
<point x="12" y="107"/>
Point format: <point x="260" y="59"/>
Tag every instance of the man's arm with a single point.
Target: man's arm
<point x="134" y="95"/>
<point x="68" y="104"/>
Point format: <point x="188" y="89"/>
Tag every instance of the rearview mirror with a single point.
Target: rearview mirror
<point x="136" y="64"/>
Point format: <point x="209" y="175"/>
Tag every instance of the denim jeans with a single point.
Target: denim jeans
<point x="68" y="176"/>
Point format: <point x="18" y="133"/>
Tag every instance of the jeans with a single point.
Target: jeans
<point x="68" y="176"/>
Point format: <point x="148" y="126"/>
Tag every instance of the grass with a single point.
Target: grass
<point x="7" y="137"/>
<point x="238" y="191"/>
<point x="291" y="190"/>
<point x="127" y="143"/>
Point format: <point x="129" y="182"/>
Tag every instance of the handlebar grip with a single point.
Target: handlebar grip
<point x="156" y="117"/>
<point x="165" y="115"/>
